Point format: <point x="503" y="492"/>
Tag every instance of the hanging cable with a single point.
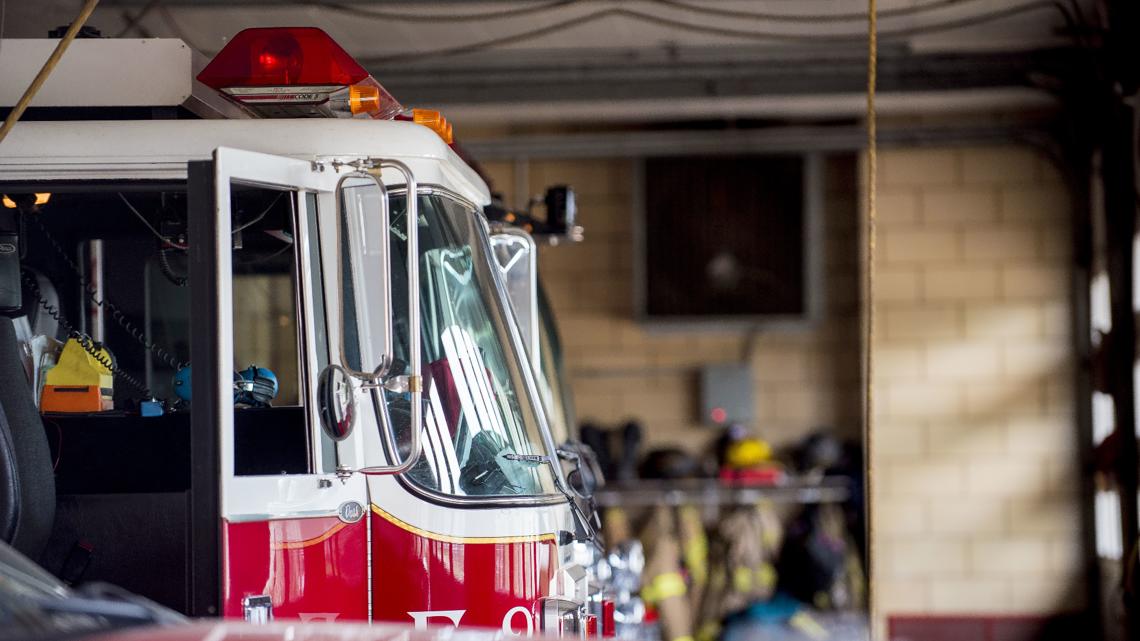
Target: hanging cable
<point x="162" y="239"/>
<point x="869" y="302"/>
<point x="133" y="21"/>
<point x="48" y="67"/>
<point x="176" y="29"/>
<point x="444" y="17"/>
<point x="710" y="10"/>
<point x="117" y="314"/>
<point x="258" y="218"/>
<point x="775" y="36"/>
<point x="87" y="343"/>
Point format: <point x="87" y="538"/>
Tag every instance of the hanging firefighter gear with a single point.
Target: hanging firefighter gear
<point x="663" y="586"/>
<point x="741" y="562"/>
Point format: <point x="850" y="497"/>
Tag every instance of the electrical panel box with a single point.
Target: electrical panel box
<point x="727" y="394"/>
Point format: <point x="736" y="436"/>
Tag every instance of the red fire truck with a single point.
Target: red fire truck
<point x="270" y="370"/>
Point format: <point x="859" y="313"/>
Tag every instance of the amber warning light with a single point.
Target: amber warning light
<point x="296" y="72"/>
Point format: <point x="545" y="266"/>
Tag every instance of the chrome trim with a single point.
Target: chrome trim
<point x="561" y="617"/>
<point x="437" y="190"/>
<point x="280" y="516"/>
<point x="368" y="551"/>
<point x="257" y="610"/>
<point x="306" y="318"/>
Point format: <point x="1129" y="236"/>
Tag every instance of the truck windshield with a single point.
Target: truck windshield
<point x="480" y="433"/>
<point x="552" y="379"/>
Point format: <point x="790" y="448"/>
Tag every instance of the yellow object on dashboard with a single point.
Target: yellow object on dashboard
<point x="80" y="382"/>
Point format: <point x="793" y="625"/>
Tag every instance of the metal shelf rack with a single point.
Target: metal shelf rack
<point x="716" y="492"/>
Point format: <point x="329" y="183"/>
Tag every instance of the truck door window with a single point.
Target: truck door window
<point x="477" y="418"/>
<point x="270" y="426"/>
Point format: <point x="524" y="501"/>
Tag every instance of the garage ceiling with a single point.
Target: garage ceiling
<point x="565" y="60"/>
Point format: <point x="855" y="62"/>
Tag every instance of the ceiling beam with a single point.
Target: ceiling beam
<point x="508" y="78"/>
<point x="832" y="138"/>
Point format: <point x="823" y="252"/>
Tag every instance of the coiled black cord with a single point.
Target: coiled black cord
<point x="168" y="271"/>
<point x="116" y="314"/>
<point x="86" y="342"/>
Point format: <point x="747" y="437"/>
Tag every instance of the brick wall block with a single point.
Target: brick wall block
<point x="961" y="439"/>
<point x="1005" y="320"/>
<point x="927" y="323"/>
<point x="960" y="360"/>
<point x="928" y="478"/>
<point x="999" y="166"/>
<point x="971" y="283"/>
<point x="897" y="285"/>
<point x="1004" y="477"/>
<point x="904" y="167"/>
<point x="1001" y="243"/>
<point x="903" y="399"/>
<point x="917" y="245"/>
<point x="1027" y="556"/>
<point x="900" y="361"/>
<point x="899" y="441"/>
<point x="898" y="206"/>
<point x="937" y="557"/>
<point x="967" y="517"/>
<point x="899" y="595"/>
<point x="1038" y="203"/>
<point x="1046" y="515"/>
<point x="1034" y="282"/>
<point x="967" y="207"/>
<point x="903" y="517"/>
<point x="1048" y="595"/>
<point x="975" y="595"/>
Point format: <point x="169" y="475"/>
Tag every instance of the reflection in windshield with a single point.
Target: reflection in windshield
<point x="474" y="419"/>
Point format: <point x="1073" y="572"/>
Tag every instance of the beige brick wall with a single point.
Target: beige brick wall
<point x="975" y="504"/>
<point x="804" y="378"/>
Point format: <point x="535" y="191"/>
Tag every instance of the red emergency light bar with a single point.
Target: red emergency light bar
<point x="296" y="72"/>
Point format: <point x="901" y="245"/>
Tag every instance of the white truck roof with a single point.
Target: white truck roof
<point x="160" y="149"/>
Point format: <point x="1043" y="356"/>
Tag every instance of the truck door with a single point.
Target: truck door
<point x="291" y="537"/>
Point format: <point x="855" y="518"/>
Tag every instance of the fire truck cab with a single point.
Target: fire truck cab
<point x="270" y="369"/>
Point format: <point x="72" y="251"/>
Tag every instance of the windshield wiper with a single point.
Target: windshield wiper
<point x="532" y="459"/>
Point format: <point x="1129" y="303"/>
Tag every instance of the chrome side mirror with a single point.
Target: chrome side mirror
<point x="362" y="250"/>
<point x="336" y="402"/>
<point x="584" y="475"/>
<point x="582" y="482"/>
<point x="516" y="256"/>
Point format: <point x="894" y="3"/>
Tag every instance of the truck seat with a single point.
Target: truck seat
<point x="27" y="484"/>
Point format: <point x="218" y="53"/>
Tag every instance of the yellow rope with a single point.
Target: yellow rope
<point x="48" y="67"/>
<point x="869" y="305"/>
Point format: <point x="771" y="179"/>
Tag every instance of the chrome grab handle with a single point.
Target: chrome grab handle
<point x="415" y="378"/>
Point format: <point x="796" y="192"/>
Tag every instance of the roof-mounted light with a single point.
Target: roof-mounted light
<point x="435" y="121"/>
<point x="296" y="72"/>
